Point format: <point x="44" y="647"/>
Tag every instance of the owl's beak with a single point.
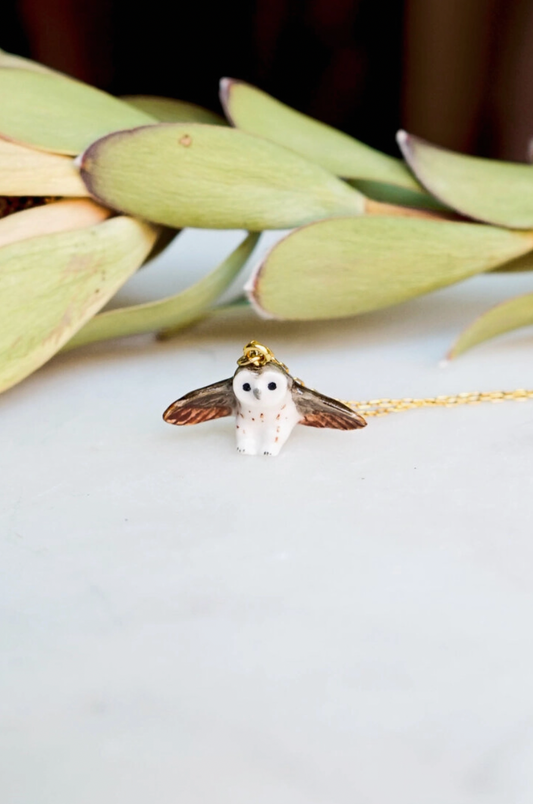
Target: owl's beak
<point x="257" y="393"/>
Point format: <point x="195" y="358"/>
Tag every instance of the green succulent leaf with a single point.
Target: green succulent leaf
<point x="346" y="266"/>
<point x="51" y="285"/>
<point x="487" y="190"/>
<point x="505" y="317"/>
<point x="51" y="112"/>
<point x="173" y="313"/>
<point x="182" y="174"/>
<point x="24" y="171"/>
<point x="252" y="110"/>
<point x="60" y="216"/>
<point x="169" y="110"/>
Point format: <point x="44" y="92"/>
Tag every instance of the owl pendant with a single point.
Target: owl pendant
<point x="267" y="403"/>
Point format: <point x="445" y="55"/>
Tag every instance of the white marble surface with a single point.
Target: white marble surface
<point x="163" y="637"/>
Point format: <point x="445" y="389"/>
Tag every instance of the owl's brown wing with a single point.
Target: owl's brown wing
<point x="213" y="402"/>
<point x="318" y="410"/>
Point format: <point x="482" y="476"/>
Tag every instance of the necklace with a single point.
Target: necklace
<point x="267" y="402"/>
<point x="382" y="407"/>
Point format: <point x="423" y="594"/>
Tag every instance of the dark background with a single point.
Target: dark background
<point x="458" y="72"/>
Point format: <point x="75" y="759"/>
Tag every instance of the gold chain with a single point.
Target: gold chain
<point x="382" y="407"/>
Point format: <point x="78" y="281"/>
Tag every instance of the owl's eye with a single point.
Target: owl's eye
<point x="272" y="386"/>
<point x="246" y="387"/>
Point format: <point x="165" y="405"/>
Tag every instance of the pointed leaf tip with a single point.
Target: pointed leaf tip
<point x="224" y="86"/>
<point x="486" y="190"/>
<point x="224" y="90"/>
<point x="401" y="137"/>
<point x="505" y="317"/>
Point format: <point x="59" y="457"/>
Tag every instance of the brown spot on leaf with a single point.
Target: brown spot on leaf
<point x="186" y="140"/>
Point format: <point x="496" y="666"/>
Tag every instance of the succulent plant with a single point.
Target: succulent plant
<point x="91" y="186"/>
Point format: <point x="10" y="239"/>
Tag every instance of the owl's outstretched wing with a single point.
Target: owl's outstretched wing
<point x="213" y="402"/>
<point x="318" y="410"/>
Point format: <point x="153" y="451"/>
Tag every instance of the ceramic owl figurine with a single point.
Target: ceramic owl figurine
<point x="267" y="403"/>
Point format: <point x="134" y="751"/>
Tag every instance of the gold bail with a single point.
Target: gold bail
<point x="255" y="354"/>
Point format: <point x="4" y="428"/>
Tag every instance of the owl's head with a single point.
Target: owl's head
<point x="261" y="388"/>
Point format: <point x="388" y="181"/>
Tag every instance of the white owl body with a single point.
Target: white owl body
<point x="264" y="432"/>
<point x="266" y="413"/>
